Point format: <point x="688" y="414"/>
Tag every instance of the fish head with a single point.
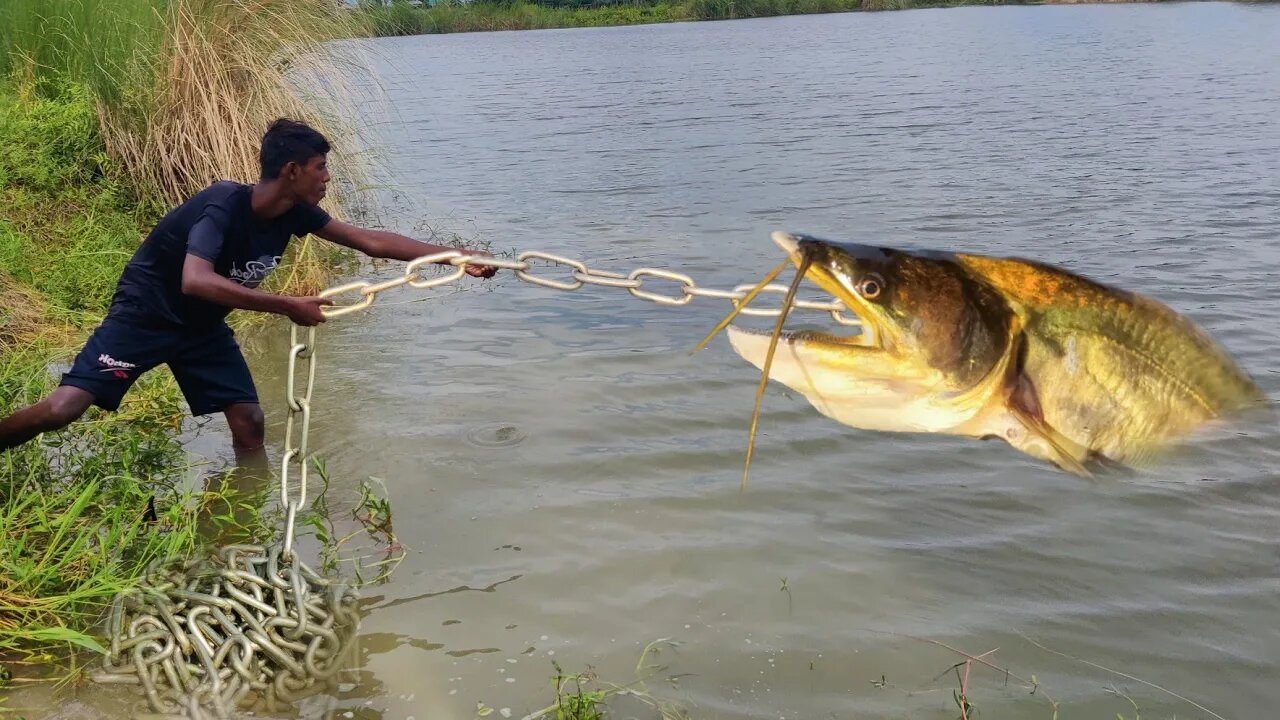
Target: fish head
<point x="914" y="304"/>
<point x="929" y="331"/>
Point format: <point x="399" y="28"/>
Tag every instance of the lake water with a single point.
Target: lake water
<point x="565" y="475"/>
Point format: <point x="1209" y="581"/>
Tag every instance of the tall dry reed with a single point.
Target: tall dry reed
<point x="222" y="72"/>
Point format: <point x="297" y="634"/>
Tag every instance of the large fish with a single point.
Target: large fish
<point x="1065" y="369"/>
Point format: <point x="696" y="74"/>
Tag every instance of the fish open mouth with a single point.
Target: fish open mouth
<point x="797" y="251"/>
<point x="794" y="343"/>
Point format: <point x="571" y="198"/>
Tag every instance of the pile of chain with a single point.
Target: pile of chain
<point x="201" y="636"/>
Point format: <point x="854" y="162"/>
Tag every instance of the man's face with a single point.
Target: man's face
<point x="309" y="179"/>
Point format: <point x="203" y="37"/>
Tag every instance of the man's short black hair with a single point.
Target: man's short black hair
<point x="289" y="141"/>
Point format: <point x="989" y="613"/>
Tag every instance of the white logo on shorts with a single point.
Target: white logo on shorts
<point x="112" y="363"/>
<point x="119" y="368"/>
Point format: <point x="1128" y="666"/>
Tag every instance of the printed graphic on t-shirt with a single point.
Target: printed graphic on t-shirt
<point x="240" y="245"/>
<point x="254" y="271"/>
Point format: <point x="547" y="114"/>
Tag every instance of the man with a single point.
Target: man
<point x="202" y="260"/>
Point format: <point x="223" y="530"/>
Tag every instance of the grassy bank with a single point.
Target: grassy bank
<point x="71" y="508"/>
<point x="111" y="112"/>
<point x="182" y="90"/>
<point x="394" y="17"/>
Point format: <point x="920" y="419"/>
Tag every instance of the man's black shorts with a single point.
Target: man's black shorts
<point x="207" y="364"/>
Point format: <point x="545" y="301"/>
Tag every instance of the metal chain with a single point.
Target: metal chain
<point x="581" y="275"/>
<point x="299" y="406"/>
<point x="201" y="635"/>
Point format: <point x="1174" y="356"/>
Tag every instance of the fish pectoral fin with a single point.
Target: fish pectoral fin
<point x="1023" y="403"/>
<point x="1053" y="446"/>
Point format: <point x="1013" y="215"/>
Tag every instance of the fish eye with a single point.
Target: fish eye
<point x="871" y="286"/>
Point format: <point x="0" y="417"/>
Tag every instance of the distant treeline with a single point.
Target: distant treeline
<point x="402" y="17"/>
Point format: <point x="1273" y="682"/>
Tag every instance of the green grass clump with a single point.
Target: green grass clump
<point x="67" y="223"/>
<point x="180" y="92"/>
<point x="584" y="696"/>
<point x="103" y="44"/>
<point x="72" y="511"/>
<point x="47" y="145"/>
<point x="72" y="505"/>
<point x="68" y="548"/>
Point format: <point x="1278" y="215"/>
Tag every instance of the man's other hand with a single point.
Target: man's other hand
<point x="305" y="311"/>
<point x="480" y="271"/>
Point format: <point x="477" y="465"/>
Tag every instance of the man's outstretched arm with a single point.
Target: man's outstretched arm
<point x="383" y="244"/>
<point x="200" y="280"/>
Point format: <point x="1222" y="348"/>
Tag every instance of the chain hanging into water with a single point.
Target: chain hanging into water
<point x="201" y="636"/>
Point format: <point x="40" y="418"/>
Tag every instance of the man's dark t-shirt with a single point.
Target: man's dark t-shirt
<point x="216" y="224"/>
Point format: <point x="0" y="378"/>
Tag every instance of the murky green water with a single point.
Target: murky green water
<point x="565" y="475"/>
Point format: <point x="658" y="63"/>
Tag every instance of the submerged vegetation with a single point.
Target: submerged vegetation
<point x="584" y="695"/>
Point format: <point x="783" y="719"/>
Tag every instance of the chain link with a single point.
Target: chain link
<point x="579" y="276"/>
<point x="299" y="407"/>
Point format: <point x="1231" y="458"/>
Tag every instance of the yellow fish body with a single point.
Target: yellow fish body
<point x="1063" y="368"/>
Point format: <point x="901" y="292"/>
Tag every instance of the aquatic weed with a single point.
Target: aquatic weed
<point x="582" y="702"/>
